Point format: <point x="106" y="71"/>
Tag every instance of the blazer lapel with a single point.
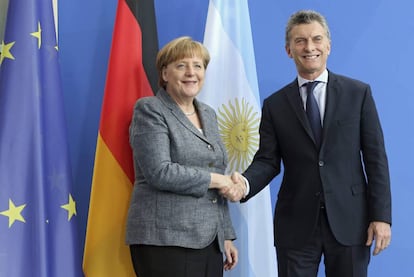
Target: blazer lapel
<point x="207" y="122"/>
<point x="180" y="116"/>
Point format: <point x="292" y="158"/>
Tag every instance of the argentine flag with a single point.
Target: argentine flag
<point x="231" y="88"/>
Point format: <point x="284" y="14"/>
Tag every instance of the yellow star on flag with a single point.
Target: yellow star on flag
<point x="5" y="52"/>
<point x="70" y="207"/>
<point x="38" y="35"/>
<point x="14" y="213"/>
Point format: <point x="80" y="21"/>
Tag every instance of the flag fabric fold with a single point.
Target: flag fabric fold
<point x="131" y="75"/>
<point x="38" y="234"/>
<point x="231" y="88"/>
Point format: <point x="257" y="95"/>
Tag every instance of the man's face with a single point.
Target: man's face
<point x="309" y="47"/>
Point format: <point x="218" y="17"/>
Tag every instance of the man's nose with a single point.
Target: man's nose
<point x="310" y="45"/>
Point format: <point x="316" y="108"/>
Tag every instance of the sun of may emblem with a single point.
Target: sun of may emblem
<point x="238" y="124"/>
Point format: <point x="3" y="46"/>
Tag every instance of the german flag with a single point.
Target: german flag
<point x="131" y="75"/>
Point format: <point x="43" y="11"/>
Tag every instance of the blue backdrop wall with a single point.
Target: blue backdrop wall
<point x="371" y="41"/>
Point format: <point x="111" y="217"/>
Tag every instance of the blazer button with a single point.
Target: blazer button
<point x="321" y="163"/>
<point x="209" y="147"/>
<point x="214" y="200"/>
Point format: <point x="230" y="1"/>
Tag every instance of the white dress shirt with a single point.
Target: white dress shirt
<point x="319" y="91"/>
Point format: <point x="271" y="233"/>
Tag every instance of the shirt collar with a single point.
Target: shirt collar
<point x="321" y="78"/>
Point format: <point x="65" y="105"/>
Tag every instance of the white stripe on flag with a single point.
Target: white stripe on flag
<point x="55" y="16"/>
<point x="231" y="88"/>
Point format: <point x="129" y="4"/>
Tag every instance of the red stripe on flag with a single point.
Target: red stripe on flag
<point x="106" y="253"/>
<point x="126" y="82"/>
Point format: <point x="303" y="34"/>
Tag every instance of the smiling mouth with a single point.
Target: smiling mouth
<point x="311" y="57"/>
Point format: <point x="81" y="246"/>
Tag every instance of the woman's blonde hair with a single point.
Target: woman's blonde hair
<point x="179" y="48"/>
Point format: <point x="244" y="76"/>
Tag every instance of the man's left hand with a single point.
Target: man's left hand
<point x="381" y="233"/>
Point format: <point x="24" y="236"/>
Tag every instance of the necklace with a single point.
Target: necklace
<point x="189" y="114"/>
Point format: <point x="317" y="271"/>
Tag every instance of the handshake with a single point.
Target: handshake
<point x="232" y="187"/>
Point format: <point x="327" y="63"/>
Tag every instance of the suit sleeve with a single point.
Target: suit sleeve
<point x="375" y="162"/>
<point x="266" y="162"/>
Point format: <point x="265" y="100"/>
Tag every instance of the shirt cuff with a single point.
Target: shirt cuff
<point x="246" y="182"/>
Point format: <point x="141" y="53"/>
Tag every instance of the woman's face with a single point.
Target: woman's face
<point x="184" y="78"/>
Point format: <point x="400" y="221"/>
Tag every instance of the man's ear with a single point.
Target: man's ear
<point x="289" y="53"/>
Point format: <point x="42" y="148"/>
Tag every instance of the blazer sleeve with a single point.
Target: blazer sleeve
<point x="229" y="233"/>
<point x="150" y="141"/>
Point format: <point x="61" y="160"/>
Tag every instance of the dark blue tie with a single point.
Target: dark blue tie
<point x="312" y="111"/>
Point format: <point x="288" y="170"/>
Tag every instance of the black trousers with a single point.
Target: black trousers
<point x="339" y="260"/>
<point x="171" y="261"/>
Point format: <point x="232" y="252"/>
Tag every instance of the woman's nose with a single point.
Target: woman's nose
<point x="189" y="70"/>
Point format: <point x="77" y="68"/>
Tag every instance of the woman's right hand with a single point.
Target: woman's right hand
<point x="232" y="190"/>
<point x="220" y="182"/>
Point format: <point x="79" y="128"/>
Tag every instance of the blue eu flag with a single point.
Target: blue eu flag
<point x="37" y="206"/>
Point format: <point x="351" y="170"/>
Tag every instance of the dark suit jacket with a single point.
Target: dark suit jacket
<point x="349" y="172"/>
<point x="171" y="204"/>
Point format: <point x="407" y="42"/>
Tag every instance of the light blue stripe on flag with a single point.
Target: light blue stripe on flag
<point x="231" y="88"/>
<point x="235" y="20"/>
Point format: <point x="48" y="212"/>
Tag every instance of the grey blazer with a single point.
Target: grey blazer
<point x="171" y="204"/>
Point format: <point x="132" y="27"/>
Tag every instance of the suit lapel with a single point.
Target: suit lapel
<point x="296" y="103"/>
<point x="332" y="91"/>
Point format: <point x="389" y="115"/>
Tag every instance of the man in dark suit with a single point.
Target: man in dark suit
<point x="335" y="197"/>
